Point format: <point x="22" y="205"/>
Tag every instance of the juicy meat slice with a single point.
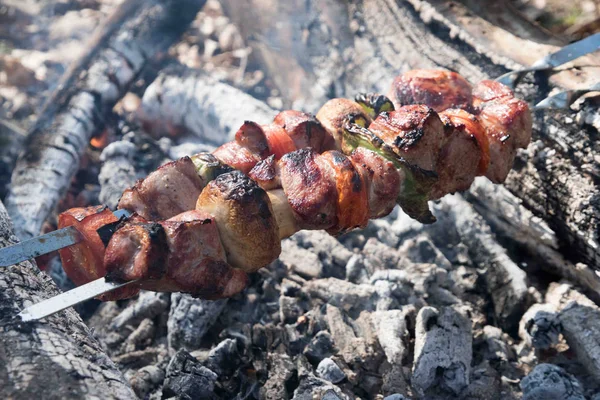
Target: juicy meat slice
<point x="253" y="137"/>
<point x="460" y="160"/>
<point x="304" y="129"/>
<point x="280" y="142"/>
<point x="236" y="156"/>
<point x="266" y="174"/>
<point x="166" y="192"/>
<point x="352" y="192"/>
<point x="488" y="90"/>
<point x="247" y="227"/>
<point x="384" y="181"/>
<point x="310" y="187"/>
<point x="182" y="254"/>
<point x="334" y="113"/>
<point x="437" y="89"/>
<point x="414" y="132"/>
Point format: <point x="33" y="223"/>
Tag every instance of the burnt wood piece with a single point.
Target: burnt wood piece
<point x="54" y="358"/>
<point x="60" y="136"/>
<point x="339" y="49"/>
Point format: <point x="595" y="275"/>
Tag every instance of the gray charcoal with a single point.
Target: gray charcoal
<point x="379" y="256"/>
<point x="505" y="281"/>
<point x="422" y="250"/>
<point x="302" y="261"/>
<point x="224" y="358"/>
<point x="186" y="378"/>
<point x="348" y="296"/>
<point x="189" y="319"/>
<point x="485" y="384"/>
<point x="561" y="294"/>
<point x="581" y="328"/>
<point x="332" y="254"/>
<point x="146" y="379"/>
<point x="496" y="346"/>
<point x="281" y="370"/>
<point x="396" y="396"/>
<point x="392" y="332"/>
<point x="141" y="335"/>
<point x="443" y="351"/>
<point x="540" y="326"/>
<point x="550" y="382"/>
<point x="320" y="346"/>
<point x="329" y="370"/>
<point x="289" y="309"/>
<point x="147" y="305"/>
<point x="312" y="387"/>
<point x="356" y="271"/>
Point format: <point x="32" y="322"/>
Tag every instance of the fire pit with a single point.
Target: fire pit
<point x="498" y="299"/>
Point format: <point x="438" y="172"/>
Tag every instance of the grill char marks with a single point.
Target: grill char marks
<point x="414" y="132"/>
<point x="310" y="189"/>
<point x="172" y="189"/>
<point x="244" y="217"/>
<point x="434" y="88"/>
<point x="304" y="130"/>
<point x="266" y="174"/>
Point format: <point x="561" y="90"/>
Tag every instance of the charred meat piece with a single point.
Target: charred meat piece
<point x="464" y="155"/>
<point x="437" y="89"/>
<point x="236" y="156"/>
<point x="488" y="90"/>
<point x="415" y="133"/>
<point x="352" y="192"/>
<point x="243" y="213"/>
<point x="304" y="129"/>
<point x="252" y="137"/>
<point x="383" y="178"/>
<point x="309" y="184"/>
<point x="266" y="174"/>
<point x="279" y="140"/>
<point x="172" y="189"/>
<point x="182" y="254"/>
<point x="334" y="113"/>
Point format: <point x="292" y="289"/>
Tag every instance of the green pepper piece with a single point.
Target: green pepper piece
<point x="418" y="182"/>
<point x="208" y="167"/>
<point x="374" y="104"/>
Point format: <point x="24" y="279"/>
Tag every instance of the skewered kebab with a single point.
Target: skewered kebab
<point x="307" y="190"/>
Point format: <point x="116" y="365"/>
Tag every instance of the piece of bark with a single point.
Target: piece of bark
<point x="346" y="48"/>
<point x="184" y="98"/>
<point x="57" y="353"/>
<point x="505" y="282"/>
<point x="443" y="351"/>
<point x="56" y="142"/>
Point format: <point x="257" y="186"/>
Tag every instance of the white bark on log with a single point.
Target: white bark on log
<point x="55" y="358"/>
<point x="334" y="49"/>
<point x="54" y="148"/>
<point x="181" y="97"/>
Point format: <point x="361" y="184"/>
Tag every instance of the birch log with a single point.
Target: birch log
<point x="56" y="358"/>
<point x="338" y="49"/>
<point x="55" y="144"/>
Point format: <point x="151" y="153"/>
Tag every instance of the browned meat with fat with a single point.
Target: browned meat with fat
<point x="304" y="129"/>
<point x="172" y="189"/>
<point x="437" y="89"/>
<point x="414" y="132"/>
<point x="266" y="173"/>
<point x="243" y="213"/>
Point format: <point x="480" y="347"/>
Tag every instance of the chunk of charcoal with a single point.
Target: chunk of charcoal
<point x="392" y="332"/>
<point x="147" y="305"/>
<point x="320" y="346"/>
<point x="551" y="382"/>
<point x="443" y="351"/>
<point x="395" y="396"/>
<point x="282" y="373"/>
<point x="316" y="388"/>
<point x="540" y="326"/>
<point x="346" y="295"/>
<point x="356" y="271"/>
<point x="188" y="379"/>
<point x="422" y="250"/>
<point x="302" y="261"/>
<point x="330" y="371"/>
<point x="224" y="358"/>
<point x="289" y="309"/>
<point x="146" y="379"/>
<point x="332" y="254"/>
<point x="379" y="256"/>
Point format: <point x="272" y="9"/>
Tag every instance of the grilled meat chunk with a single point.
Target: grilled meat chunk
<point x="236" y="156"/>
<point x="304" y="129"/>
<point x="464" y="155"/>
<point x="243" y="213"/>
<point x="172" y="189"/>
<point x="437" y="89"/>
<point x="266" y="174"/>
<point x="415" y="133"/>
